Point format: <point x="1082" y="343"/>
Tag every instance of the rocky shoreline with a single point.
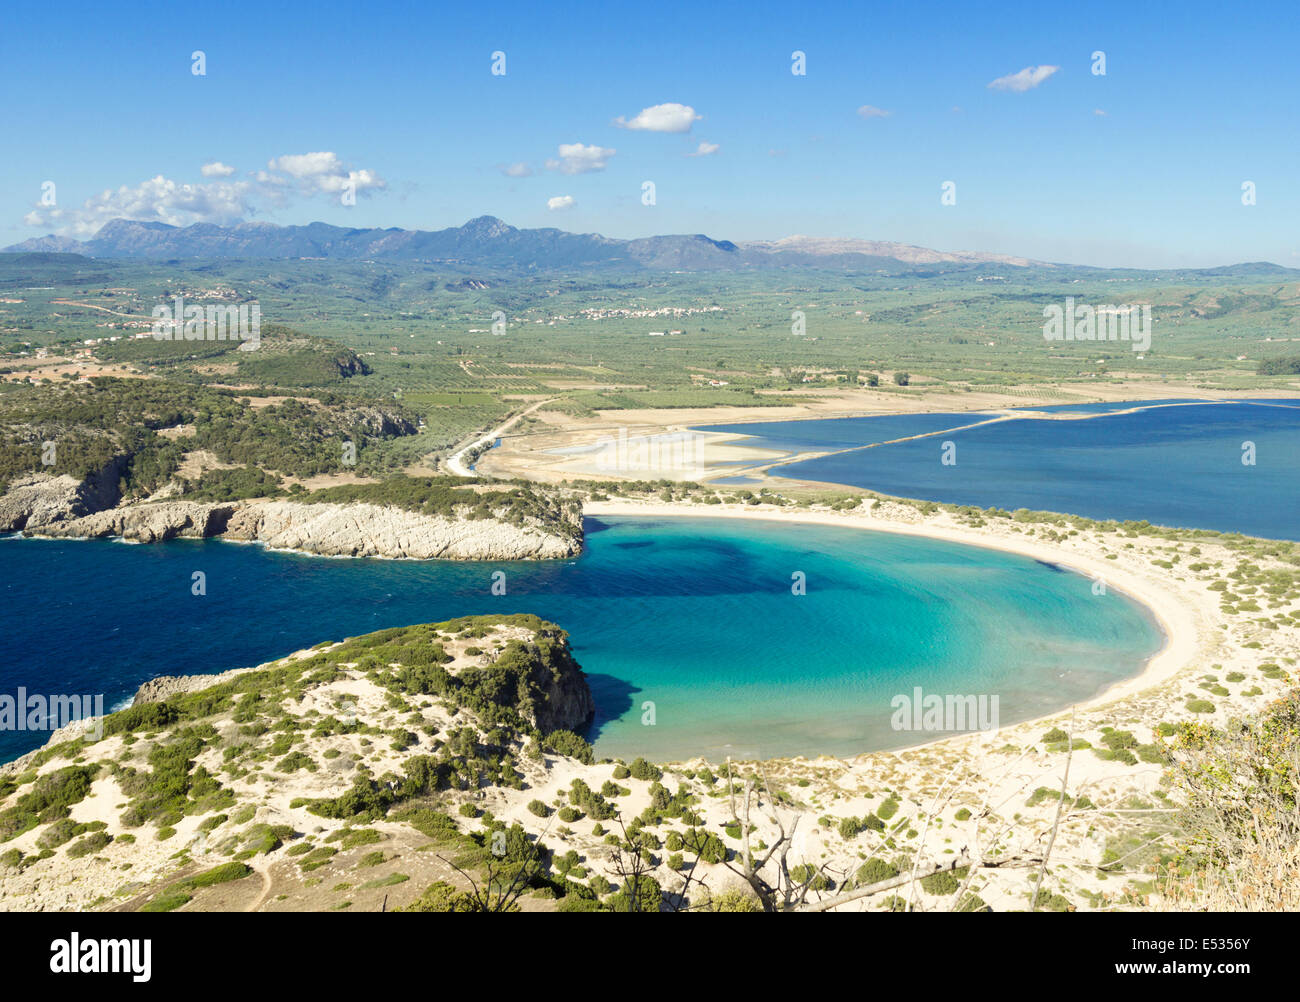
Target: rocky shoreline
<point x="56" y="507"/>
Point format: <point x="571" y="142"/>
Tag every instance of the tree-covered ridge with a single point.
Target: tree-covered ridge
<point x="108" y="422"/>
<point x="284" y="357"/>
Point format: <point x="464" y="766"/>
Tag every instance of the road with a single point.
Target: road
<point x="455" y="464"/>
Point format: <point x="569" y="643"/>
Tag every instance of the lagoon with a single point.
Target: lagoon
<point x="1229" y="466"/>
<point x="689" y="629"/>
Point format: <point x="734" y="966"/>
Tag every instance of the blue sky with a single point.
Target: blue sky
<point x="1196" y="100"/>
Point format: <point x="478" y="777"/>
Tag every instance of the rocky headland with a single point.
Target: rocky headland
<point x="63" y="507"/>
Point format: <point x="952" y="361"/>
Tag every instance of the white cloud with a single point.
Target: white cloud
<point x="158" y="200"/>
<point x="560" y="202"/>
<point x="705" y="150"/>
<point x="575" y="158"/>
<point x="324" y="172"/>
<point x="307" y="164"/>
<point x="871" y="111"/>
<point x="165" y="200"/>
<point x="517" y="170"/>
<point x="269" y="180"/>
<point x="1026" y="79"/>
<point x="1098" y="112"/>
<point x="661" y="118"/>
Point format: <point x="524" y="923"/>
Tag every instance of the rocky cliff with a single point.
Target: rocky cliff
<point x="42" y="499"/>
<point x="559" y="698"/>
<point x="60" y="507"/>
<point x="366" y="530"/>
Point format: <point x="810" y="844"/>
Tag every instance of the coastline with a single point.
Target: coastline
<point x="950" y="789"/>
<point x="562" y="450"/>
<point x="350" y="530"/>
<point x="1184" y="628"/>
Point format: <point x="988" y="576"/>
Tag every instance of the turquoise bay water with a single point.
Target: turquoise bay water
<point x="693" y="615"/>
<point x="1170" y="465"/>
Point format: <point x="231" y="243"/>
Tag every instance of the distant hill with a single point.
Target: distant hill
<point x="488" y="241"/>
<point x="23" y="268"/>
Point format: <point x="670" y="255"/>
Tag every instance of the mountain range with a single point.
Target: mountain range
<point x="486" y="241"/>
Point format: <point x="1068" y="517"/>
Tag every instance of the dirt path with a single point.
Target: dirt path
<point x="256" y="903"/>
<point x="104" y="309"/>
<point x="456" y="464"/>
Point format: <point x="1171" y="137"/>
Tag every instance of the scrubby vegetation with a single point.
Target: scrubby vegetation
<point x="449" y="496"/>
<point x="1239" y="828"/>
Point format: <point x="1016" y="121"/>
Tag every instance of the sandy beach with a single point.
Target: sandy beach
<point x="1182" y="616"/>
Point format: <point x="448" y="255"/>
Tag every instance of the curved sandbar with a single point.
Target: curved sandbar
<point x="1180" y="617"/>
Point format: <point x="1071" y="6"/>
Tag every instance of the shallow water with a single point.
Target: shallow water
<point x="694" y="616"/>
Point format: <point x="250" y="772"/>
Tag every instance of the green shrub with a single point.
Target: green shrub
<point x="648" y="897"/>
<point x="89" y="844"/>
<point x="943" y="882"/>
<point x="352" y="838"/>
<point x="874" y="870"/>
<point x="317" y="858"/>
<point x="735" y="899"/>
<point x="167" y="902"/>
<point x="222" y="874"/>
<point x="441" y="896"/>
<point x="704" y="844"/>
<point x="806" y="872"/>
<point x="181" y="893"/>
<point x="641" y="769"/>
<point x="51" y="798"/>
<point x="569" y="744"/>
<point x="1116" y="740"/>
